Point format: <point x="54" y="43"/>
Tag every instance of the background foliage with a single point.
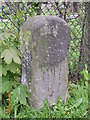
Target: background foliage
<point x="14" y="94"/>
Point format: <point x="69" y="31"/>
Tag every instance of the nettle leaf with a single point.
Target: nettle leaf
<point x="20" y="93"/>
<point x="11" y="54"/>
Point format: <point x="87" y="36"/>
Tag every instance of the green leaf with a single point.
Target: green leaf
<point x="15" y="55"/>
<point x="12" y="67"/>
<point x="7" y="33"/>
<point x="20" y="93"/>
<point x="0" y="84"/>
<point x="85" y="67"/>
<point x="7" y="55"/>
<point x="4" y="71"/>
<point x="73" y="85"/>
<point x="3" y="114"/>
<point x="16" y="59"/>
<point x="0" y="70"/>
<point x="10" y="54"/>
<point x="86" y="75"/>
<point x="78" y="102"/>
<point x="6" y="86"/>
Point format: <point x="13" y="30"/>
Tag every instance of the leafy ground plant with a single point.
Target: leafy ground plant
<point x="75" y="107"/>
<point x="14" y="94"/>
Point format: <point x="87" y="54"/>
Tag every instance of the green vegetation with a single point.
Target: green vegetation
<point x="75" y="107"/>
<point x="77" y="104"/>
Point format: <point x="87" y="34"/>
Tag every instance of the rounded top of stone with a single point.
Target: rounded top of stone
<point x="39" y="20"/>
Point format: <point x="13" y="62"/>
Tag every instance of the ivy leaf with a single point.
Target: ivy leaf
<point x="20" y="93"/>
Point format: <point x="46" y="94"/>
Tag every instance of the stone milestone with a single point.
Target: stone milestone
<point x="44" y="45"/>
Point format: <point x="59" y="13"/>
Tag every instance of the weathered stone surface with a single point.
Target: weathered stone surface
<point x="44" y="45"/>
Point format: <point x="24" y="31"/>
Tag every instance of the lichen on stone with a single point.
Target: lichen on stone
<point x="25" y="39"/>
